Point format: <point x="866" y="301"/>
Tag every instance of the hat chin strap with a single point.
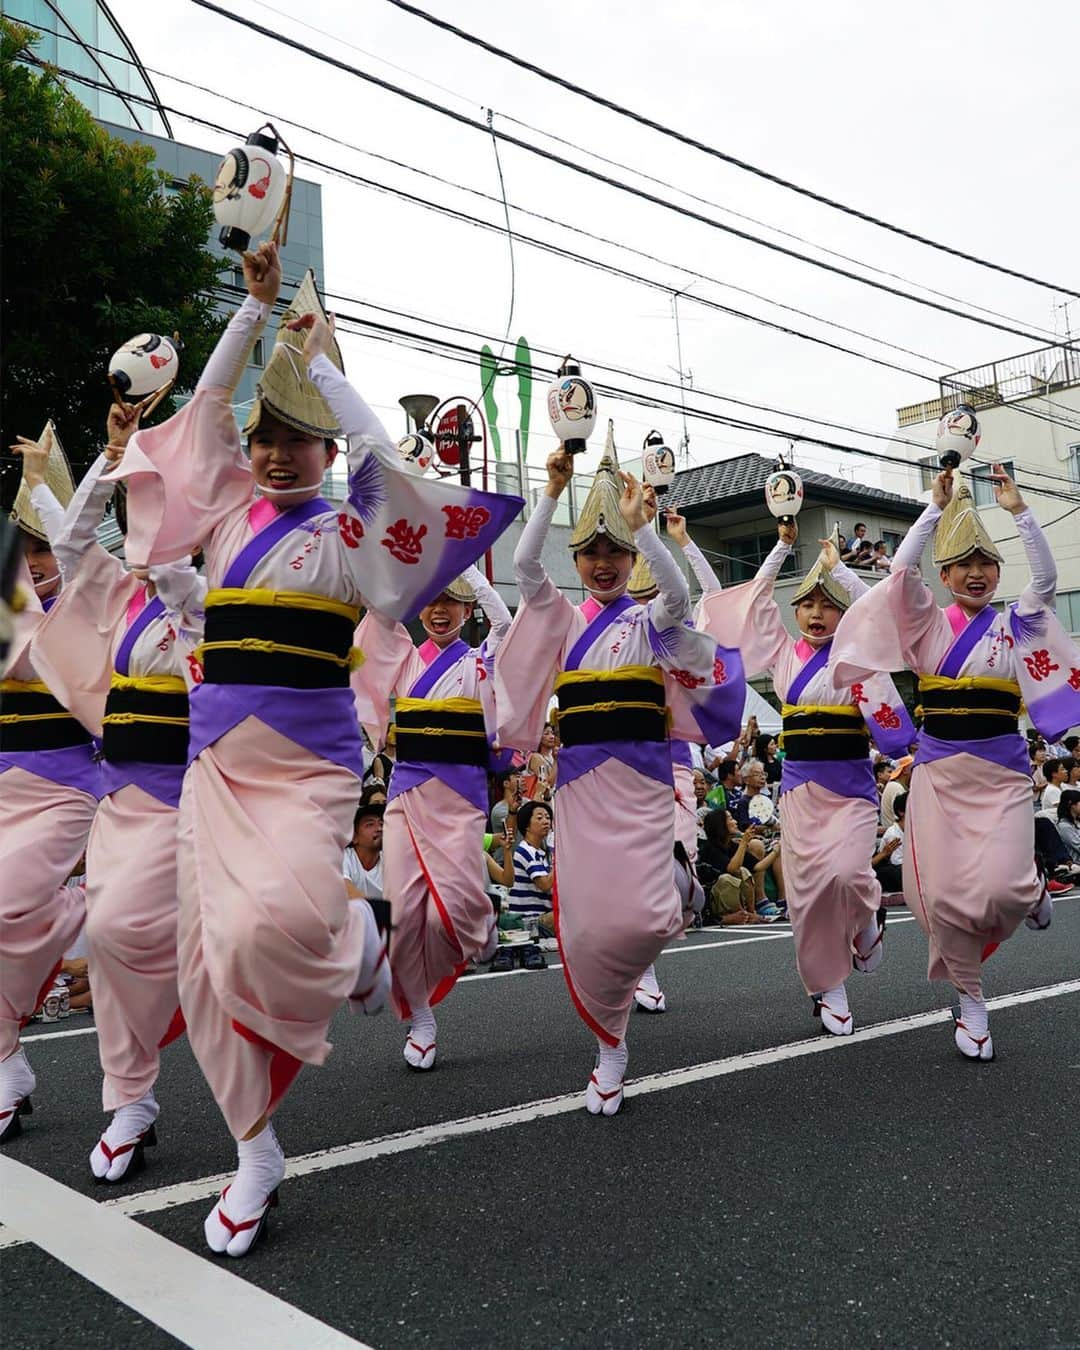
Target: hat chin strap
<point x="813" y="639"/>
<point x="450" y="632"/>
<point x="977" y="601"/>
<point x="608" y="595"/>
<point x="44" y="585"/>
<point x="286" y="492"/>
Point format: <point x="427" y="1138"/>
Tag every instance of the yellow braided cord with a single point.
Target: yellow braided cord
<point x="831" y="709"/>
<point x="929" y="682"/>
<point x="437" y="705"/>
<point x="23" y="687"/>
<point x="151" y="684"/>
<point x="266" y="646"/>
<point x="6" y="719"/>
<point x="234" y="595"/>
<point x="650" y="673"/>
<point x="127" y="719"/>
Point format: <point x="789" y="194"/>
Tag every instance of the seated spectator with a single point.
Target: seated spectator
<point x="701" y="792"/>
<point x="729" y="873"/>
<point x="362" y="864"/>
<point x="766" y="750"/>
<point x="538" y="780"/>
<point x="754" y="780"/>
<point x="1068" y="823"/>
<point x="847" y="549"/>
<point x="509" y="804"/>
<point x="373" y="795"/>
<point x="899" y="782"/>
<point x="1074" y="772"/>
<point x="888" y="861"/>
<point x="880" y="562"/>
<point x="728" y="790"/>
<point x="500" y="874"/>
<point x="882" y="770"/>
<point x="1055" y="773"/>
<point x="533" y="872"/>
<point x="864" y="555"/>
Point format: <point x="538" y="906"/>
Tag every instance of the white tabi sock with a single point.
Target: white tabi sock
<point x="835" y="1013"/>
<point x="16" y="1080"/>
<point x="973" y="1015"/>
<point x="260" y="1171"/>
<point x="420" y="1044"/>
<point x="127" y="1125"/>
<point x="648" y="994"/>
<point x="604" y="1094"/>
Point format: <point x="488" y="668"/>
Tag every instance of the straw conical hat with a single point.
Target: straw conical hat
<point x="600" y="513"/>
<point x="461" y="590"/>
<point x="960" y="532"/>
<point x="642" y="584"/>
<point x="57" y="477"/>
<point x="284" y="389"/>
<point x="820" y="575"/>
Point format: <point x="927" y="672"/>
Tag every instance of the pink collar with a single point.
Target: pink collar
<point x="804" y="650"/>
<point x="591" y="607"/>
<point x="260" y="513"/>
<point x="428" y="650"/>
<point x="958" y="617"/>
<point x="136" y="604"/>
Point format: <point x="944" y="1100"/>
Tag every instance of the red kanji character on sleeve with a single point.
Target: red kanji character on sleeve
<point x="1074" y="679"/>
<point x="195" y="669"/>
<point x="857" y="695"/>
<point x="719" y="671"/>
<point x="350" y="529"/>
<point x="687" y="680"/>
<point x="1039" y="665"/>
<point x="465" y="522"/>
<point x="404" y="542"/>
<point x="886" y="718"/>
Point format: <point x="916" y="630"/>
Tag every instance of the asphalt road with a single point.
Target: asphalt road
<point x="880" y="1191"/>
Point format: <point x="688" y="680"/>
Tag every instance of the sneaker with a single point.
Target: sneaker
<point x="502" y="961"/>
<point x="767" y="910"/>
<point x="1057" y="887"/>
<point x="532" y="958"/>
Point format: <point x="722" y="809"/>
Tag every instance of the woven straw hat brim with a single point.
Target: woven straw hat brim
<point x="642" y="583"/>
<point x="284" y="389"/>
<point x="57" y="477"/>
<point x="960" y="532"/>
<point x="600" y="514"/>
<point x="461" y="590"/>
<point x="820" y="576"/>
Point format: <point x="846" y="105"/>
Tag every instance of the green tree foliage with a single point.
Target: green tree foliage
<point x="96" y="248"/>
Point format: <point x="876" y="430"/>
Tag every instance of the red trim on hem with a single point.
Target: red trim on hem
<point x="443" y="986"/>
<point x="176" y="1028"/>
<point x="590" y="1021"/>
<point x="988" y="951"/>
<point x="283" y="1066"/>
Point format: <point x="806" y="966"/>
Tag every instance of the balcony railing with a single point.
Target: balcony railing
<point x="1031" y="375"/>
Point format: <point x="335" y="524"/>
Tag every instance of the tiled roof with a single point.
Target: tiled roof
<point x="745" y="475"/>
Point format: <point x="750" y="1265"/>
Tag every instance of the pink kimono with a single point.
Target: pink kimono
<point x="442" y="914"/>
<point x="104" y="632"/>
<point x="49" y="786"/>
<point x="969" y="869"/>
<point x="615" y="900"/>
<point x="269" y="947"/>
<point x="828" y="807"/>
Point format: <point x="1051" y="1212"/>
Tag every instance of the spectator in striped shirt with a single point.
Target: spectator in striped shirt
<point x="533" y="873"/>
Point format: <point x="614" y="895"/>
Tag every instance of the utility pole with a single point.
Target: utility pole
<point x="684" y="376"/>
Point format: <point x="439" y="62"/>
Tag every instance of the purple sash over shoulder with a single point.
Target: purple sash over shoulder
<point x="448" y="657"/>
<point x="952" y="663"/>
<point x="256" y="549"/>
<point x="602" y="621"/>
<point x="145" y="617"/>
<point x="817" y="662"/>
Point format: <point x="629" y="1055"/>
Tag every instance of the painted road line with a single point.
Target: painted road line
<point x="198" y="1301"/>
<point x="347" y="1155"/>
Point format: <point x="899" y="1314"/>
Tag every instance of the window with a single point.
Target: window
<point x="981" y="487"/>
<point x="1072" y="453"/>
<point x="742" y="557"/>
<point x="892" y="541"/>
<point x="258" y="354"/>
<point x="929" y="468"/>
<point x="1068" y="611"/>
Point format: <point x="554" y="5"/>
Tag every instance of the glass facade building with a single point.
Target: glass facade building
<point x="82" y="36"/>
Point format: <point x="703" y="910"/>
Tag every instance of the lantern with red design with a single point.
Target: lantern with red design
<point x="657" y="463"/>
<point x="253" y="190"/>
<point x="784" y="492"/>
<point x="957" y="436"/>
<point x="571" y="405"/>
<point x="144" y="369"/>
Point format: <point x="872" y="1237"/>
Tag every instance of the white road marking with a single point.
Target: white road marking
<point x="347" y="1155"/>
<point x="196" y="1300"/>
<point x="89" y="1030"/>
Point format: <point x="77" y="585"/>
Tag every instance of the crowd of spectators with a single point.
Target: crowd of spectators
<point x="858" y="551"/>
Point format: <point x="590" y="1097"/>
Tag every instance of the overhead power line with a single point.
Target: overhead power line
<point x="695" y="144"/>
<point x="628" y="188"/>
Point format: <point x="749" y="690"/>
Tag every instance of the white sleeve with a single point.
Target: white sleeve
<point x="230" y="356"/>
<point x="182" y="591"/>
<point x="1041" y="561"/>
<point x="910" y="552"/>
<point x="82" y="517"/>
<point x="770" y="568"/>
<point x="528" y="568"/>
<point x="854" y="585"/>
<point x="493" y="605"/>
<point x="353" y="414"/>
<point x="702" y="569"/>
<point x="672" y="605"/>
<point x="50" y="512"/>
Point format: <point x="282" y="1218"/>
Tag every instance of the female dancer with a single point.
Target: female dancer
<point x="50" y="786"/>
<point x="828" y="803"/>
<point x="119" y="652"/>
<point x="268" y="944"/>
<point x="620" y="668"/>
<point x="445" y="715"/>
<point x="969" y="876"/>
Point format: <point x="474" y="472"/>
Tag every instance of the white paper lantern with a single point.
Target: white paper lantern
<point x="143" y="366"/>
<point x="957" y="436"/>
<point x="571" y="405"/>
<point x="249" y="190"/>
<point x="417" y="450"/>
<point x="657" y="463"/>
<point x="784" y="493"/>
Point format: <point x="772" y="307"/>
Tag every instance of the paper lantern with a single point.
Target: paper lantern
<point x="252" y="190"/>
<point x="957" y="436"/>
<point x="143" y="366"/>
<point x="417" y="450"/>
<point x="571" y="405"/>
<point x="784" y="493"/>
<point x="657" y="463"/>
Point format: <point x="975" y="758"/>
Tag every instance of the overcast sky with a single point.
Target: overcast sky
<point x="956" y="120"/>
